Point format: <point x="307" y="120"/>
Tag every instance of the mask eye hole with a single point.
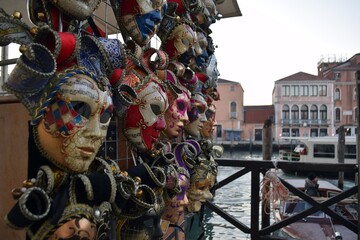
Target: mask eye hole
<point x="106" y="115"/>
<point x="155" y="109"/>
<point x="82" y="108"/>
<point x="180" y="105"/>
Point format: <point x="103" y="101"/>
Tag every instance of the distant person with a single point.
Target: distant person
<point x="312" y="186"/>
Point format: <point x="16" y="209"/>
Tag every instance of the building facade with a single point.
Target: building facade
<point x="229" y="111"/>
<point x="345" y="91"/>
<point x="303" y="105"/>
<point x="254" y="119"/>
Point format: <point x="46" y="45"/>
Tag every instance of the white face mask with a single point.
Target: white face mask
<point x="75" y="125"/>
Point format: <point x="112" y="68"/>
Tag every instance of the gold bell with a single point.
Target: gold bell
<point x="139" y="193"/>
<point x="17" y="15"/>
<point x="137" y="180"/>
<point x="22" y="48"/>
<point x="34" y="31"/>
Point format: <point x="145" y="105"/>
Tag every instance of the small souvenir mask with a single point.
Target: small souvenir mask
<point x="75" y="123"/>
<point x="144" y="120"/>
<point x="196" y="115"/>
<point x="141" y="18"/>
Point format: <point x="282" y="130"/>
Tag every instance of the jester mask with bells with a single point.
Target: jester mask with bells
<point x="71" y="110"/>
<point x="140" y="18"/>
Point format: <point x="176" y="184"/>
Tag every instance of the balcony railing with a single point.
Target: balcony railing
<point x="305" y="123"/>
<point x="233" y="115"/>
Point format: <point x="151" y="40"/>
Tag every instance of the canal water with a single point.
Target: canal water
<point x="235" y="199"/>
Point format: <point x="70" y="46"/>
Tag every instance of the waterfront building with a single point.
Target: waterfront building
<point x="303" y="105"/>
<point x="254" y="119"/>
<point x="229" y="112"/>
<point x="343" y="73"/>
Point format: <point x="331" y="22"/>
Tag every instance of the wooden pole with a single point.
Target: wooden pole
<point x="340" y="151"/>
<point x="266" y="152"/>
<point x="357" y="76"/>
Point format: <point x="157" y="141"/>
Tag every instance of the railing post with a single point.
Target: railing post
<point x="340" y="151"/>
<point x="266" y="152"/>
<point x="255" y="199"/>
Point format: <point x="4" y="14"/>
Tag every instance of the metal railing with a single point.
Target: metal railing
<point x="256" y="168"/>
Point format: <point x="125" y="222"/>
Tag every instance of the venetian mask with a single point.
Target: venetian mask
<point x="208" y="128"/>
<point x="199" y="191"/>
<point x="200" y="49"/>
<point x="212" y="72"/>
<point x="174" y="208"/>
<point x="141" y="18"/>
<point x="176" y="115"/>
<point x="196" y="115"/>
<point x="75" y="123"/>
<point x="180" y="43"/>
<point x="77" y="9"/>
<point x="144" y="120"/>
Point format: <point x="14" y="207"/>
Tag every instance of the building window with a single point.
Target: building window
<point x="355" y="93"/>
<point x="323" y="112"/>
<point x="313" y="112"/>
<point x="337" y="75"/>
<point x="285" y="132"/>
<point x="285" y="90"/>
<point x="295" y="132"/>
<point x="313" y="90"/>
<point x="337" y="114"/>
<point x="304" y="112"/>
<point x="304" y="90"/>
<point x="285" y="112"/>
<point x="356" y="114"/>
<point x="337" y="94"/>
<point x="295" y="112"/>
<point x="233" y="110"/>
<point x="232" y="88"/>
<point x="218" y="131"/>
<point x="294" y="90"/>
<point x="323" y="90"/>
<point x="323" y="132"/>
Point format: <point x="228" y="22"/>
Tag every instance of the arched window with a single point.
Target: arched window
<point x="337" y="114"/>
<point x="313" y="112"/>
<point x="337" y="94"/>
<point x="323" y="112"/>
<point x="295" y="112"/>
<point x="233" y="110"/>
<point x="285" y="112"/>
<point x="304" y="112"/>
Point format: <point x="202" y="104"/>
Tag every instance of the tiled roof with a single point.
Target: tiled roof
<point x="300" y="76"/>
<point x="220" y="80"/>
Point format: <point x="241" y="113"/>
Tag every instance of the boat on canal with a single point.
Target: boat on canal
<point x="318" y="226"/>
<point x="317" y="150"/>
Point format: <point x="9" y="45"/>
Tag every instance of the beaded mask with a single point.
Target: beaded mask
<point x="75" y="123"/>
<point x="140" y="18"/>
<point x="196" y="115"/>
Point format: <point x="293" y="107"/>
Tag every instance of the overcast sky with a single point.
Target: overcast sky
<point x="274" y="39"/>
